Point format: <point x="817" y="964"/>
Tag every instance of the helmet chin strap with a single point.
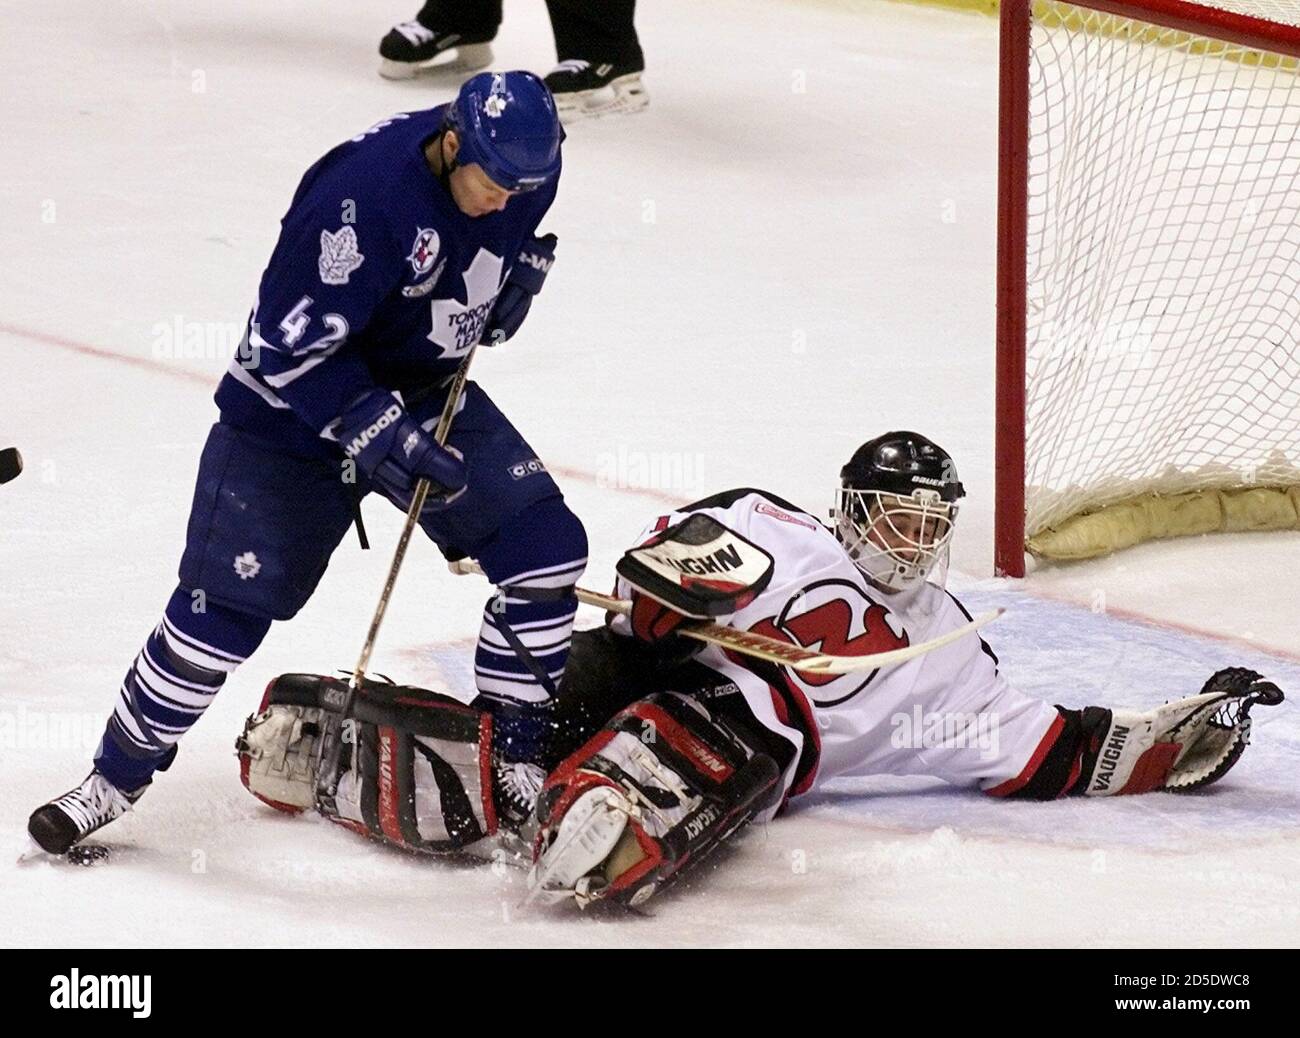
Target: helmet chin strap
<point x="447" y="166"/>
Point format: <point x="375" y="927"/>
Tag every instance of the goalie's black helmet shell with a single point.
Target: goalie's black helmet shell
<point x="900" y="463"/>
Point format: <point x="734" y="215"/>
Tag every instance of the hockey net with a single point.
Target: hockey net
<point x="1149" y="273"/>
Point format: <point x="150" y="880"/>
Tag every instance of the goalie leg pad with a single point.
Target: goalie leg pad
<point x="282" y="745"/>
<point x="659" y="787"/>
<point x="421" y="782"/>
<point x="415" y="770"/>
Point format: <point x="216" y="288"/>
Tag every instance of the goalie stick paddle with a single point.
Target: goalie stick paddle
<point x="330" y="763"/>
<point x="11" y="463"/>
<point x="774" y="650"/>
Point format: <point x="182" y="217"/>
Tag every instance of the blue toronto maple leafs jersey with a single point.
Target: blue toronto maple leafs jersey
<point x="378" y="279"/>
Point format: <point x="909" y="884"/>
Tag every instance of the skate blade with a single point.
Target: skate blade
<point x="469" y="58"/>
<point x="84" y="854"/>
<point x="621" y="96"/>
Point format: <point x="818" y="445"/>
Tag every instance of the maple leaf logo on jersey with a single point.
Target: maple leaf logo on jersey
<point x="247" y="565"/>
<point x="457" y="326"/>
<point x="836" y="617"/>
<point x="340" y="255"/>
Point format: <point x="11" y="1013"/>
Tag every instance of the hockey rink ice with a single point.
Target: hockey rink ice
<point x="792" y="250"/>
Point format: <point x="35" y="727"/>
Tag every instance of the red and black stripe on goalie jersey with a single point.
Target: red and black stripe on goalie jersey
<point x="1068" y="750"/>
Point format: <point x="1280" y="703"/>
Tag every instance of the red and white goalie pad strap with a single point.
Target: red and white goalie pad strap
<point x="657" y="788"/>
<point x="416" y="767"/>
<point x="698" y="568"/>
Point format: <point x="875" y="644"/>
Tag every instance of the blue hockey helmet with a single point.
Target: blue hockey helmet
<point x="506" y="122"/>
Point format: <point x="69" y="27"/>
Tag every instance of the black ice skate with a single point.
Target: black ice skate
<point x="516" y="788"/>
<point x="61" y="823"/>
<point x="413" y="47"/>
<point x="583" y="88"/>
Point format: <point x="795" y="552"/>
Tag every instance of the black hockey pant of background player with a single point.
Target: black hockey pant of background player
<point x="595" y="30"/>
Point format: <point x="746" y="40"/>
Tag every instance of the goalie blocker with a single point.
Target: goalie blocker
<point x="696" y="569"/>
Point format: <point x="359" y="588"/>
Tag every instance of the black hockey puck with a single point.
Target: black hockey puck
<point x="11" y="463"/>
<point x="87" y="854"/>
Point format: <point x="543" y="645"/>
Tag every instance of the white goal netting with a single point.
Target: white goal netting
<point x="1163" y="291"/>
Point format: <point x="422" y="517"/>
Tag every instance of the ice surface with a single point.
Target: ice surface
<point x="790" y="251"/>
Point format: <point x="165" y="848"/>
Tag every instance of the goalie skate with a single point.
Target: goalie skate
<point x="570" y="867"/>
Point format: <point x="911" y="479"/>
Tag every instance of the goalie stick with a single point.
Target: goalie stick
<point x="330" y="762"/>
<point x="773" y="649"/>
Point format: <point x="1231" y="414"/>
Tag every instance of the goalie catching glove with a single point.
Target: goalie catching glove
<point x="1180" y="746"/>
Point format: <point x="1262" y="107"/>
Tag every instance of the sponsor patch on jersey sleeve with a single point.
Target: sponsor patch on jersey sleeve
<point x="767" y="508"/>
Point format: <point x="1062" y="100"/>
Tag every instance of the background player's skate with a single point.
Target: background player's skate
<point x="585" y="88"/>
<point x="446" y="38"/>
<point x="11" y="464"/>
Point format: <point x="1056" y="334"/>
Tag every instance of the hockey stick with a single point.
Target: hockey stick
<point x="330" y="763"/>
<point x="774" y="650"/>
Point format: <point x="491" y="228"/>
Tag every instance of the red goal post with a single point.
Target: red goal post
<point x="1148" y="287"/>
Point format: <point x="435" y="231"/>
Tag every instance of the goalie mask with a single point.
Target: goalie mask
<point x="895" y="510"/>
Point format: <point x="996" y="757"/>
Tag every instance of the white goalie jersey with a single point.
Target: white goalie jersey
<point x="947" y="713"/>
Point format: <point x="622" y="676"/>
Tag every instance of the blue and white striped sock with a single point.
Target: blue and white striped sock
<point x="172" y="681"/>
<point x="524" y="639"/>
<point x="535" y="560"/>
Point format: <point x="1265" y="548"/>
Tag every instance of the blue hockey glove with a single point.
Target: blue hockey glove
<point x="516" y="296"/>
<point x="389" y="446"/>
